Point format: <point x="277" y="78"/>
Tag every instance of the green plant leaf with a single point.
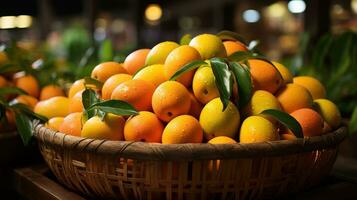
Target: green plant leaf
<point x="24" y="127"/>
<point x="242" y="56"/>
<point x="224" y="79"/>
<point x="185" y="39"/>
<point x="92" y="81"/>
<point x="89" y="98"/>
<point x="22" y="108"/>
<point x="10" y="67"/>
<point x="119" y="58"/>
<point x="287" y="120"/>
<point x="11" y="90"/>
<point x="188" y="67"/>
<point x="352" y="125"/>
<point x="245" y="87"/>
<point x="117" y="107"/>
<point x="229" y="35"/>
<point x="106" y="51"/>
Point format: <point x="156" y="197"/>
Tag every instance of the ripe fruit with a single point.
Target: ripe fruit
<point x="196" y="107"/>
<point x="51" y="91"/>
<point x="75" y="103"/>
<point x="329" y="112"/>
<point x="222" y="140"/>
<point x="257" y="129"/>
<point x="28" y="100"/>
<point x="136" y="92"/>
<point x="216" y="122"/>
<point x="265" y="76"/>
<point x="178" y="58"/>
<point x="3" y="58"/>
<point x="29" y="84"/>
<point x="234" y="46"/>
<point x="3" y="82"/>
<point x="145" y="127"/>
<point x="111" y="128"/>
<point x="182" y="129"/>
<point x="208" y="46"/>
<point x="204" y="85"/>
<point x="54" y="123"/>
<point x="72" y="124"/>
<point x="107" y="69"/>
<point x="170" y="100"/>
<point x="314" y="86"/>
<point x="111" y="83"/>
<point x="77" y="86"/>
<point x="261" y="100"/>
<point x="135" y="60"/>
<point x="284" y="72"/>
<point x="53" y="107"/>
<point x="310" y="121"/>
<point x="293" y="97"/>
<point x="159" y="52"/>
<point x="153" y="74"/>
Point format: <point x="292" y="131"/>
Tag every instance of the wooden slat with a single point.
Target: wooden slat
<point x="32" y="185"/>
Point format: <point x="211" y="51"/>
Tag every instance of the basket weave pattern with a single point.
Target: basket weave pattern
<point x="136" y="170"/>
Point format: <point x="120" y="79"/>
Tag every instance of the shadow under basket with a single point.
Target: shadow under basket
<point x="137" y="170"/>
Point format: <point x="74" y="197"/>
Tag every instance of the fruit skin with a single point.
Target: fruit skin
<point x="159" y="52"/>
<point x="293" y="97"/>
<point x="10" y="124"/>
<point x="234" y="46"/>
<point x="53" y="107"/>
<point x="196" y="107"/>
<point x="182" y="129"/>
<point x="257" y="129"/>
<point x="284" y="72"/>
<point x="75" y="103"/>
<point x="72" y="124"/>
<point x="153" y="74"/>
<point x="204" y="85"/>
<point x="216" y="122"/>
<point x="314" y="86"/>
<point x="3" y="58"/>
<point x="145" y="127"/>
<point x="136" y="60"/>
<point x="77" y="86"/>
<point x="111" y="83"/>
<point x="29" y="84"/>
<point x="107" y="69"/>
<point x="208" y="46"/>
<point x="28" y="100"/>
<point x="222" y="140"/>
<point x="261" y="100"/>
<point x="170" y="100"/>
<point x="265" y="76"/>
<point x="54" y="123"/>
<point x="310" y="121"/>
<point x="111" y="128"/>
<point x="3" y="82"/>
<point x="178" y="58"/>
<point x="136" y="92"/>
<point x="51" y="91"/>
<point x="329" y="112"/>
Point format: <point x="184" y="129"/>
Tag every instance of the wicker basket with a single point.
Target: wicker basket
<point x="136" y="170"/>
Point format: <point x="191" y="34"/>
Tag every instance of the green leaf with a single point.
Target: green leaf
<point x="89" y="98"/>
<point x="253" y="44"/>
<point x="119" y="58"/>
<point x="10" y="67"/>
<point x="116" y="107"/>
<point x="287" y="120"/>
<point x="242" y="56"/>
<point x="22" y="108"/>
<point x="224" y="79"/>
<point x="11" y="90"/>
<point x="24" y="127"/>
<point x="229" y="35"/>
<point x="188" y="67"/>
<point x="106" y="51"/>
<point x="245" y="86"/>
<point x="352" y="125"/>
<point x="92" y="81"/>
<point x="185" y="39"/>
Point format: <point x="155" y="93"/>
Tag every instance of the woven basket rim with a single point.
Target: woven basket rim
<point x="175" y="152"/>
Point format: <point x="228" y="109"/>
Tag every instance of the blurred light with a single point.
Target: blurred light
<point x="101" y="22"/>
<point x="337" y="9"/>
<point x="153" y="12"/>
<point x="118" y="26"/>
<point x="276" y="10"/>
<point x="23" y="21"/>
<point x="296" y="6"/>
<point x="100" y="34"/>
<point x="354" y="6"/>
<point x="7" y="22"/>
<point x="251" y="16"/>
